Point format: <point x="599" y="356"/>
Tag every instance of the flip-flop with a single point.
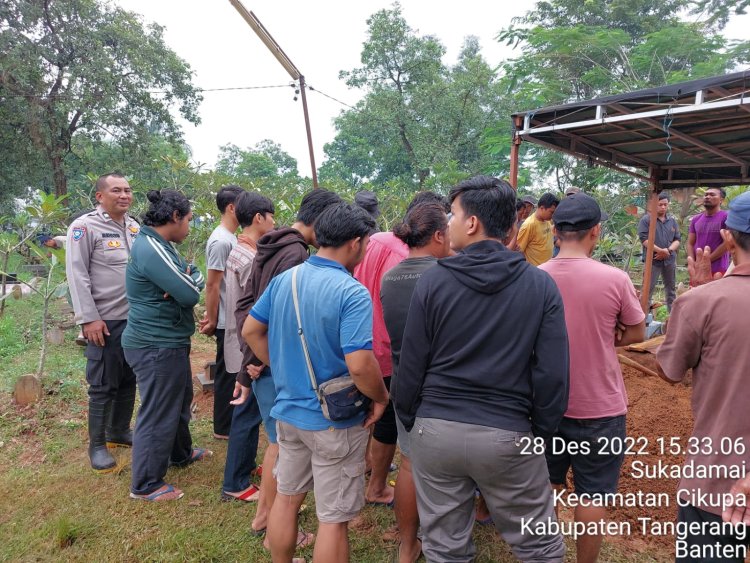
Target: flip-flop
<point x="380" y="503"/>
<point x="250" y="494"/>
<point x="485" y="521"/>
<point x="197" y="454"/>
<point x="160" y="495"/>
<point x="304" y="539"/>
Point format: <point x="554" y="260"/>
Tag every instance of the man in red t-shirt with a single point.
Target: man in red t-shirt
<point x="597" y="298"/>
<point x="383" y="252"/>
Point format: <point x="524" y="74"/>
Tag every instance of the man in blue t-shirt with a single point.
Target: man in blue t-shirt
<point x="336" y="315"/>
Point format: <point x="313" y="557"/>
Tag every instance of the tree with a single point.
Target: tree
<point x="85" y="67"/>
<point x="418" y="114"/>
<point x="265" y="162"/>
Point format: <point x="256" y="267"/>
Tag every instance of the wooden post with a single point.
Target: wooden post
<point x="302" y="88"/>
<point x="653" y="204"/>
<point x="514" y="150"/>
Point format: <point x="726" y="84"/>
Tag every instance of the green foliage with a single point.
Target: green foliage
<point x="85" y="67"/>
<point x="266" y="163"/>
<point x="418" y="114"/>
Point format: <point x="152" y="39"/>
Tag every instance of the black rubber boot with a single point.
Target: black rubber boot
<point x="119" y="434"/>
<point x="101" y="460"/>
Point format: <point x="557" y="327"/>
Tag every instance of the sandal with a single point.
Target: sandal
<point x="304" y="539"/>
<point x="197" y="454"/>
<point x="162" y="494"/>
<point x="250" y="494"/>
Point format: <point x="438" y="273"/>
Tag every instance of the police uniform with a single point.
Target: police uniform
<point x="97" y="253"/>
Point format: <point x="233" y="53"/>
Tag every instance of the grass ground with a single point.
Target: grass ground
<point x="55" y="509"/>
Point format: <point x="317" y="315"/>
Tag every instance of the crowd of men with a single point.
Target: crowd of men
<point x="470" y="346"/>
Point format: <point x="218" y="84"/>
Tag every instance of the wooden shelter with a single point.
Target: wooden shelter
<point x="691" y="134"/>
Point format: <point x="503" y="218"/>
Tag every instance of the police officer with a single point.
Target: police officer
<point x="98" y="247"/>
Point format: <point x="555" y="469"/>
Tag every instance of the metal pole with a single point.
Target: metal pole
<point x="302" y="87"/>
<point x="653" y="204"/>
<point x="514" y="150"/>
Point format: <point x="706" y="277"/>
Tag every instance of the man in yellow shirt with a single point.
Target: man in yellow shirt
<point x="535" y="236"/>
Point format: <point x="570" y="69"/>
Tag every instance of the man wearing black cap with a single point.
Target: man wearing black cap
<point x="707" y="333"/>
<point x="666" y="243"/>
<point x="597" y="298"/>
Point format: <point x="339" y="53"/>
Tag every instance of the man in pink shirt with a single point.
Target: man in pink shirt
<point x="597" y="299"/>
<point x="383" y="253"/>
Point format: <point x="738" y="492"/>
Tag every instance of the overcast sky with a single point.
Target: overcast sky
<point x="321" y="38"/>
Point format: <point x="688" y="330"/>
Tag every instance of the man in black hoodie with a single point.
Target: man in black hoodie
<point x="483" y="380"/>
<point x="278" y="251"/>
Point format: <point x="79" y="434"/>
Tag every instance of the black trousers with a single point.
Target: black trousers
<point x="107" y="372"/>
<point x="162" y="432"/>
<point x="708" y="548"/>
<point x="223" y="389"/>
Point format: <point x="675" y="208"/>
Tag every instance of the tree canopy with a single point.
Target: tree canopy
<point x="418" y="114"/>
<point x="73" y="68"/>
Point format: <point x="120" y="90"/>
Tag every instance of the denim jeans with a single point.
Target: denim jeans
<point x="243" y="445"/>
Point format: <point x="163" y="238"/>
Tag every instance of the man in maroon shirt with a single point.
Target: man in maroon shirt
<point x="708" y="332"/>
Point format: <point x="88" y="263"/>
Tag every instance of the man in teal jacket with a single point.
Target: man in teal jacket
<point x="162" y="289"/>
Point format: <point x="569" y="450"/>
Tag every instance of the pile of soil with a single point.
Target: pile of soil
<point x="656" y="410"/>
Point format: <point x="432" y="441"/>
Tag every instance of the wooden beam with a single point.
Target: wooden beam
<point x="648" y="266"/>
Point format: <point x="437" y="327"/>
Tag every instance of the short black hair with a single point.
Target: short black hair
<point x="227" y="194"/>
<point x="314" y="203"/>
<point x="548" y="200"/>
<point x="742" y="239"/>
<point x="163" y="204"/>
<point x="520" y="204"/>
<point x="573" y="236"/>
<point x="722" y="191"/>
<point x="248" y="205"/>
<point x="491" y="200"/>
<point x="420" y="223"/>
<point x="663" y="195"/>
<point x="100" y="181"/>
<point x="341" y="222"/>
<point x="429" y="197"/>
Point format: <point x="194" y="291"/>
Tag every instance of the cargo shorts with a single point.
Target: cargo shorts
<point x="329" y="462"/>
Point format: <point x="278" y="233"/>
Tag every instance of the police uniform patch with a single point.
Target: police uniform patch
<point x="133" y="230"/>
<point x="78" y="233"/>
<point x="110" y="235"/>
<point x="114" y="244"/>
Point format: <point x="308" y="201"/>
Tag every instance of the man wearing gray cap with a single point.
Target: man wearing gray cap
<point x="707" y="332"/>
<point x="597" y="298"/>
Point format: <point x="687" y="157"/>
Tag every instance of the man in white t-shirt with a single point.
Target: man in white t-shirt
<point x="219" y="245"/>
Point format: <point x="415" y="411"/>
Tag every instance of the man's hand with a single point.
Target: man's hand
<point x="373" y="415"/>
<point x="662" y="254"/>
<point x="206" y="327"/>
<point x="95" y="331"/>
<point x="619" y="330"/>
<point x="241" y="393"/>
<point x="699" y="269"/>
<point x="738" y="512"/>
<point x="254" y="371"/>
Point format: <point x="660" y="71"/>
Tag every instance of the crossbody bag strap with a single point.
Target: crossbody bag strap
<point x="295" y="298"/>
